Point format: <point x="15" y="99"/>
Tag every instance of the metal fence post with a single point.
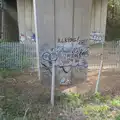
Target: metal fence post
<point x="53" y="84"/>
<point x="36" y="34"/>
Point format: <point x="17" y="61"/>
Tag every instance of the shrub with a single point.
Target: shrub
<point x="118" y="117"/>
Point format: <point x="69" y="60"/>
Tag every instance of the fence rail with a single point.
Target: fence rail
<point x="111" y="55"/>
<point x="14" y="55"/>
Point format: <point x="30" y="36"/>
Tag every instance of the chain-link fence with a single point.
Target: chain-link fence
<point x="15" y="55"/>
<point x="111" y="55"/>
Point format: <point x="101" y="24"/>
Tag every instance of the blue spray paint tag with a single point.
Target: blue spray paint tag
<point x="33" y="37"/>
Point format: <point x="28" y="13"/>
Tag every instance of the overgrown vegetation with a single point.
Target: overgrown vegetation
<point x="16" y="105"/>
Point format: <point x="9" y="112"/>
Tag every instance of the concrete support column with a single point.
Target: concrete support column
<point x="99" y="15"/>
<point x="25" y="17"/>
<point x="60" y="19"/>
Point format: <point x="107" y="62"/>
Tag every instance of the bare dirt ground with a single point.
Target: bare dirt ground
<point x="109" y="83"/>
<point x="110" y="79"/>
<point x="29" y="90"/>
<point x="29" y="85"/>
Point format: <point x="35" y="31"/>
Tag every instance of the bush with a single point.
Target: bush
<point x="118" y="117"/>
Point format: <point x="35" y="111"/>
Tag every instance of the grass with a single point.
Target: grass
<point x="16" y="105"/>
<point x="118" y="117"/>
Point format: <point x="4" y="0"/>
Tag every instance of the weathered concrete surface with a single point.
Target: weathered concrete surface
<point x="99" y="15"/>
<point x="63" y="18"/>
<point x="60" y="19"/>
<point x="25" y="16"/>
<point x="57" y="18"/>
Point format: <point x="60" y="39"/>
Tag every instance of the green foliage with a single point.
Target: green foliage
<point x="114" y="12"/>
<point x="68" y="106"/>
<point x="115" y="102"/>
<point x="73" y="99"/>
<point x="118" y="117"/>
<point x="96" y="108"/>
<point x="98" y="97"/>
<point x="113" y="20"/>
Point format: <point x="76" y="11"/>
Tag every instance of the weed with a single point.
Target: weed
<point x="118" y="117"/>
<point x="115" y="102"/>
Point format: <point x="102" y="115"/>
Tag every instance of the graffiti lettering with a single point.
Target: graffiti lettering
<point x="97" y="37"/>
<point x="69" y="39"/>
<point x="67" y="54"/>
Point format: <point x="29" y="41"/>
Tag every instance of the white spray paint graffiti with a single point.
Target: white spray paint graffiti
<point x="28" y="37"/>
<point x="66" y="55"/>
<point x="97" y="37"/>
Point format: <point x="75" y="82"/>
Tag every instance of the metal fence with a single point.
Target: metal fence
<point x="111" y="55"/>
<point x="14" y="55"/>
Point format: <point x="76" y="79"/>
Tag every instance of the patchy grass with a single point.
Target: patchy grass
<point x="22" y="101"/>
<point x="68" y="107"/>
<point x="117" y="117"/>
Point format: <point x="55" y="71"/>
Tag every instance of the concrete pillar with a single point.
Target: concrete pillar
<point x="21" y="16"/>
<point x="46" y="22"/>
<point x="25" y="17"/>
<point x="104" y="15"/>
<point x="63" y="18"/>
<point x="99" y="15"/>
<point x="60" y="19"/>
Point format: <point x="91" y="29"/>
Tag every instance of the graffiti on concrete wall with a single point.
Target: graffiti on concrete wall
<point x="97" y="37"/>
<point x="69" y="39"/>
<point x="68" y="53"/>
<point x="72" y="54"/>
<point x="28" y="37"/>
